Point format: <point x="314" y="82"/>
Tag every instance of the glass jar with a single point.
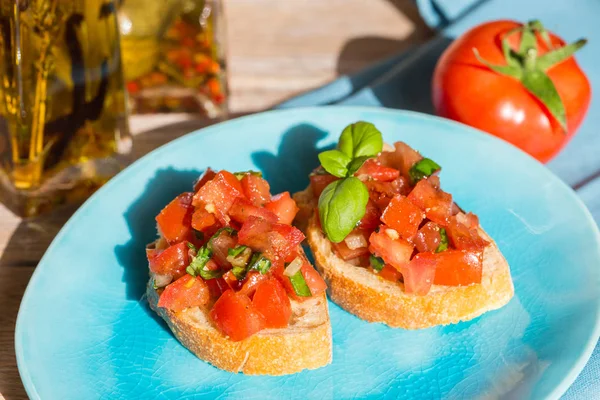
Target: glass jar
<point x="63" y="125"/>
<point x="173" y="56"/>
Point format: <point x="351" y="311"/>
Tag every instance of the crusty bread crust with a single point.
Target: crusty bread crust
<point x="305" y="344"/>
<point x="374" y="299"/>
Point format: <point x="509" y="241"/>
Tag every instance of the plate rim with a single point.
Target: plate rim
<point x="561" y="387"/>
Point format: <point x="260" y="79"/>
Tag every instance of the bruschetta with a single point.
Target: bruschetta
<point x="229" y="277"/>
<point x="392" y="246"/>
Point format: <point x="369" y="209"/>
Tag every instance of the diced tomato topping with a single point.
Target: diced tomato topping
<point x="242" y="209"/>
<point x="219" y="194"/>
<point x="216" y="286"/>
<point x="251" y="282"/>
<point x="315" y="283"/>
<point x="231" y="280"/>
<point x="275" y="240"/>
<point x="171" y="261"/>
<point x="419" y="274"/>
<point x="346" y="253"/>
<point x="208" y="175"/>
<point x="382" y="192"/>
<point x="373" y="168"/>
<point x="202" y="220"/>
<point x="428" y="238"/>
<point x="272" y="301"/>
<point x="395" y="252"/>
<point x="402" y="158"/>
<point x="403" y="216"/>
<point x="437" y="204"/>
<point x="235" y="316"/>
<point x="256" y="189"/>
<point x="187" y="291"/>
<point x="370" y="220"/>
<point x="174" y="221"/>
<point x="220" y="246"/>
<point x="390" y="273"/>
<point x="284" y="207"/>
<point x="464" y="238"/>
<point x="319" y="182"/>
<point x="456" y="267"/>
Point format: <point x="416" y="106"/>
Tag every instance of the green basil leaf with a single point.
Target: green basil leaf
<point x="421" y="169"/>
<point x="356" y="164"/>
<point x="199" y="262"/>
<point x="443" y="242"/>
<point x="299" y="284"/>
<point x="341" y="205"/>
<point x="241" y="174"/>
<point x="236" y="251"/>
<point x="335" y="162"/>
<point x="361" y="139"/>
<point x="376" y="262"/>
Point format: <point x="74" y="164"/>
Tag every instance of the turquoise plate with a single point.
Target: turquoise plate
<point x="84" y="330"/>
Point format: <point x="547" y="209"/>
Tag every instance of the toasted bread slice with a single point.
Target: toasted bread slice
<point x="304" y="344"/>
<point x="374" y="299"/>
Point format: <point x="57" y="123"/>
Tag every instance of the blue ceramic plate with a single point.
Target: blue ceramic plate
<point x="84" y="331"/>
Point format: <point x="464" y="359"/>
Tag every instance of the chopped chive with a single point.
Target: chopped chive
<point x="376" y="262"/>
<point x="299" y="284"/>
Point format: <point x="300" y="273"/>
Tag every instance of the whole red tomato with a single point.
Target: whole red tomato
<point x="508" y="93"/>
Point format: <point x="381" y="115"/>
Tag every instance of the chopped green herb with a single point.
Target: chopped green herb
<point x="241" y="174"/>
<point x="236" y="251"/>
<point x="239" y="272"/>
<point x="299" y="284"/>
<point x="376" y="262"/>
<point x="261" y="264"/>
<point x="191" y="246"/>
<point x="190" y="270"/>
<point x="443" y="242"/>
<point x="199" y="262"/>
<point x="421" y="169"/>
<point x="205" y="274"/>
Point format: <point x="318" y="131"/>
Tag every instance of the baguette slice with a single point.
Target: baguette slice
<point x="374" y="299"/>
<point x="305" y="344"/>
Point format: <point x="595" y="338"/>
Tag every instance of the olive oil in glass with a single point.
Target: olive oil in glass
<point x="63" y="125"/>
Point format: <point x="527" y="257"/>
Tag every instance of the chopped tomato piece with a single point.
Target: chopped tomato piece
<point x="284" y="207"/>
<point x="251" y="282"/>
<point x="456" y="267"/>
<point x="202" y="219"/>
<point x="220" y="246"/>
<point x="208" y="175"/>
<point x="275" y="240"/>
<point x="235" y="316"/>
<point x="272" y="301"/>
<point x="403" y="216"/>
<point x="231" y="280"/>
<point x="174" y="221"/>
<point x="217" y="196"/>
<point x="187" y="291"/>
<point x="319" y="182"/>
<point x="315" y="283"/>
<point x="370" y="220"/>
<point x="216" y="286"/>
<point x="402" y="158"/>
<point x="242" y="209"/>
<point x="419" y="274"/>
<point x="373" y="168"/>
<point x="256" y="189"/>
<point x="382" y="192"/>
<point x="390" y="273"/>
<point x="347" y="253"/>
<point x="394" y="251"/>
<point x="428" y="238"/>
<point x="464" y="238"/>
<point x="171" y="261"/>
<point x="437" y="204"/>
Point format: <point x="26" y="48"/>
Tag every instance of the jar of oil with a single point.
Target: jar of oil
<point x="173" y="56"/>
<point x="63" y="125"/>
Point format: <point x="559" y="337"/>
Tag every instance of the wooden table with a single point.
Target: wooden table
<point x="298" y="45"/>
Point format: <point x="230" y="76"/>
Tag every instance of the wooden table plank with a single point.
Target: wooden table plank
<point x="277" y="48"/>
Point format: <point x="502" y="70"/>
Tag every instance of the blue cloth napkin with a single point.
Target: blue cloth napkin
<point x="403" y="82"/>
